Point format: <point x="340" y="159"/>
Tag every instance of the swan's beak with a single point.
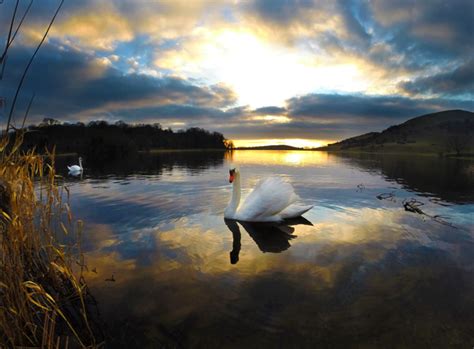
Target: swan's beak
<point x="231" y="175"/>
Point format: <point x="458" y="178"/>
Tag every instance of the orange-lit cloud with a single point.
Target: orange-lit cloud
<point x="326" y="70"/>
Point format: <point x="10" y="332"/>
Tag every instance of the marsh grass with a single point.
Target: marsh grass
<point x="44" y="300"/>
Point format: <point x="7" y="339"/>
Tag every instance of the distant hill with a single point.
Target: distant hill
<point x="270" y="147"/>
<point x="446" y="132"/>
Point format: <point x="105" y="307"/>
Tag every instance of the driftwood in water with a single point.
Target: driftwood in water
<point x="386" y="196"/>
<point x="413" y="205"/>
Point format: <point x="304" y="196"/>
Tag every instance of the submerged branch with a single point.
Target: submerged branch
<point x="414" y="206"/>
<point x="386" y="196"/>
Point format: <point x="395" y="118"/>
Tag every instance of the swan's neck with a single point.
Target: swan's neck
<point x="234" y="202"/>
<point x="80" y="163"/>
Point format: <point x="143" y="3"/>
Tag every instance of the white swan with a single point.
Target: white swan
<point x="76" y="168"/>
<point x="271" y="200"/>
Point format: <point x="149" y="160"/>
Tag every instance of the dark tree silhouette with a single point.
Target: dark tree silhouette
<point x="458" y="143"/>
<point x="101" y="140"/>
<point x="458" y="136"/>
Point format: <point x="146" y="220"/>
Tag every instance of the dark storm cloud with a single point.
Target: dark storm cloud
<point x="410" y="36"/>
<point x="191" y="115"/>
<point x="295" y="129"/>
<point x="170" y="111"/>
<point x="332" y="106"/>
<point x="72" y="85"/>
<point x="416" y="38"/>
<point x="280" y="11"/>
<point x="327" y="116"/>
<point x="452" y="82"/>
<point x="270" y="111"/>
<point x="428" y="30"/>
<point x="349" y="12"/>
<point x="70" y="82"/>
<point x="117" y="87"/>
<point x="308" y="129"/>
<point x="332" y="116"/>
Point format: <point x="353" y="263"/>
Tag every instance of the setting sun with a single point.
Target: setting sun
<point x="295" y="142"/>
<point x="261" y="73"/>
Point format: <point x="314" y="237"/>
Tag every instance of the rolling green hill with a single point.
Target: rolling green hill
<point x="446" y="132"/>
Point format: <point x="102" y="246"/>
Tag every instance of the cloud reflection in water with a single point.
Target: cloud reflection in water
<point x="366" y="270"/>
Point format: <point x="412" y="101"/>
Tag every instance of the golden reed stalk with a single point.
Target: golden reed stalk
<point x="43" y="296"/>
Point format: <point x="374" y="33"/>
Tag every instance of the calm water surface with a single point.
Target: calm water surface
<point x="358" y="271"/>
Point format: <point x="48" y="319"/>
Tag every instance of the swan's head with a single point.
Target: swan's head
<point x="80" y="159"/>
<point x="233" y="171"/>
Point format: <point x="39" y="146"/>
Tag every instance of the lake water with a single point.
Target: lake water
<point x="358" y="271"/>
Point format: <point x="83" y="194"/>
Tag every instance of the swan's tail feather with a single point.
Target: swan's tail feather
<point x="294" y="211"/>
<point x="69" y="168"/>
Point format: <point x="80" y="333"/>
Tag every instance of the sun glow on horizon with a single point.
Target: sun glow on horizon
<point x="294" y="142"/>
<point x="272" y="119"/>
<point x="260" y="72"/>
<point x="278" y="157"/>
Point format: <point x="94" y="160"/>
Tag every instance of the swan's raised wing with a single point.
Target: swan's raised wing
<point x="270" y="197"/>
<point x="294" y="211"/>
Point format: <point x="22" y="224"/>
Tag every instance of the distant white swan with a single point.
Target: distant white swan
<point x="76" y="168"/>
<point x="271" y="200"/>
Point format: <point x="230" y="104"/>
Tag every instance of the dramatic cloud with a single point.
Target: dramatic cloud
<point x="73" y="85"/>
<point x="453" y="82"/>
<point x="342" y="106"/>
<point x="270" y="111"/>
<point x="332" y="116"/>
<point x="281" y="11"/>
<point x="308" y="69"/>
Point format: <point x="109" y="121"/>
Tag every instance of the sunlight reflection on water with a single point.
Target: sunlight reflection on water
<point x="359" y="269"/>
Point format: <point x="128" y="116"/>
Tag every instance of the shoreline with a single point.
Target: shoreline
<point x="154" y="151"/>
<point x="413" y="153"/>
<point x="468" y="156"/>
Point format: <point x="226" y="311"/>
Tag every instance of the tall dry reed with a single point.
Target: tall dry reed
<point x="44" y="301"/>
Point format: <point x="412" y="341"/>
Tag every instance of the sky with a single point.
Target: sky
<point x="298" y="72"/>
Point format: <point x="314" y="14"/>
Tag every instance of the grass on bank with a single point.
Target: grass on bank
<point x="44" y="301"/>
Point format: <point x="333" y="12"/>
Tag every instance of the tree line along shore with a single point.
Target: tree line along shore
<point x="101" y="140"/>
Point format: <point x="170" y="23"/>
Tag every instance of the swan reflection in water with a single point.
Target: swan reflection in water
<point x="270" y="237"/>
